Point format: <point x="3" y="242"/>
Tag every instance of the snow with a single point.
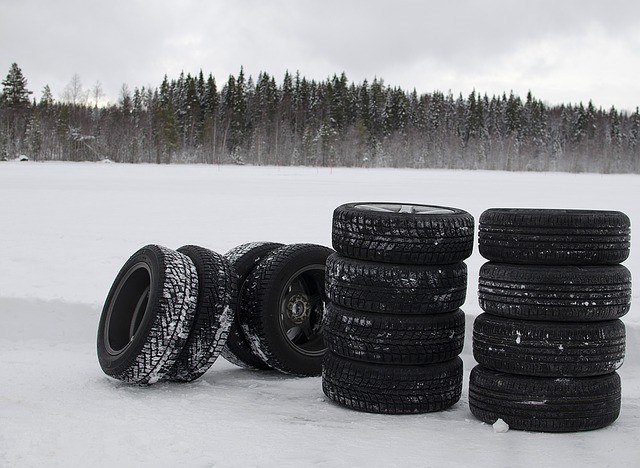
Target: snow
<point x="500" y="427"/>
<point x="68" y="228"/>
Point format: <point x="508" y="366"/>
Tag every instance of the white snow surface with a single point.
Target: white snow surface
<point x="68" y="228"/>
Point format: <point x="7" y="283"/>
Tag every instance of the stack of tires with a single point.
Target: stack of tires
<point x="550" y="340"/>
<point x="393" y="327"/>
<point x="171" y="313"/>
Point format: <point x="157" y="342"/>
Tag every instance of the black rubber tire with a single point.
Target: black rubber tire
<point x="548" y="349"/>
<point x="406" y="238"/>
<point x="263" y="314"/>
<point x="555" y="293"/>
<point x="395" y="289"/>
<point x="543" y="404"/>
<point x="243" y="260"/>
<point x="379" y="388"/>
<point x="554" y="237"/>
<point x="393" y="339"/>
<point x="217" y="285"/>
<point x="147" y="315"/>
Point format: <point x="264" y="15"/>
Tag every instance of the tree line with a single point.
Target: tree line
<point x="298" y="121"/>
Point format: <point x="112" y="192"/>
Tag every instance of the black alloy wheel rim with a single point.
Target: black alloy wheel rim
<point x="301" y="309"/>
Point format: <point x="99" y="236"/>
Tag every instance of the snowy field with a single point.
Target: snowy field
<point x="66" y="229"/>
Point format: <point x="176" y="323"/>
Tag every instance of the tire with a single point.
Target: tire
<point x="395" y="289"/>
<point x="217" y="294"/>
<point x="554" y="237"/>
<point x="147" y="315"/>
<point x="377" y="388"/>
<point x="402" y="234"/>
<point x="393" y="339"/>
<point x="548" y="349"/>
<point x="544" y="404"/>
<point x="243" y="260"/>
<point x="282" y="308"/>
<point x="560" y="293"/>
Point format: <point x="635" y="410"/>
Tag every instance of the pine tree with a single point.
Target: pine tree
<point x="210" y="97"/>
<point x="47" y="97"/>
<point x="580" y="124"/>
<point x="614" y="131"/>
<point x="514" y="114"/>
<point x="286" y="100"/>
<point x="14" y="89"/>
<point x="634" y="133"/>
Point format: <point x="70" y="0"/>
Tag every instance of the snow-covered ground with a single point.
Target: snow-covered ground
<point x="66" y="229"/>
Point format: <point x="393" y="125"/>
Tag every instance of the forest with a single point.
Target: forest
<point x="300" y="121"/>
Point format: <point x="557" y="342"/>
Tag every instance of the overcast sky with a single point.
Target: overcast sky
<point x="561" y="50"/>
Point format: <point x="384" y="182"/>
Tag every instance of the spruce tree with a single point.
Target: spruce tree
<point x="47" y="96"/>
<point x="14" y="89"/>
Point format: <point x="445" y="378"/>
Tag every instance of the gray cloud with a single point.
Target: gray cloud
<point x="457" y="45"/>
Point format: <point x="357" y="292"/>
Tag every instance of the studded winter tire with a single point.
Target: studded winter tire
<point x="214" y="314"/>
<point x="393" y="339"/>
<point x="554" y="237"/>
<point x="282" y="306"/>
<point x="544" y="404"/>
<point x="243" y="260"/>
<point x="548" y="349"/>
<point x="395" y="289"/>
<point x="147" y="315"/>
<point x="400" y="233"/>
<point x="379" y="388"/>
<point x="555" y="293"/>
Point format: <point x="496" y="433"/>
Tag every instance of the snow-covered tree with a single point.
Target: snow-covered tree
<point x="47" y="96"/>
<point x="14" y="89"/>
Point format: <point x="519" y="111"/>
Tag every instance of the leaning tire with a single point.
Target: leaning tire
<point x="407" y="234"/>
<point x="549" y="349"/>
<point x="378" y="388"/>
<point x="147" y="315"/>
<point x="544" y="404"/>
<point x="560" y="293"/>
<point x="393" y="339"/>
<point x="214" y="314"/>
<point x="243" y="260"/>
<point x="282" y="306"/>
<point x="554" y="237"/>
<point x="395" y="289"/>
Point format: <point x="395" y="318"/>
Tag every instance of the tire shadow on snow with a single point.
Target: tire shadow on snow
<point x="54" y="321"/>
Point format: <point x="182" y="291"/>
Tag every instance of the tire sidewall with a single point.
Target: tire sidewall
<point x="237" y="349"/>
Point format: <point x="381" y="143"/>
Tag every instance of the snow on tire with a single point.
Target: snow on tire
<point x="393" y="339"/>
<point x="282" y="306"/>
<point x="243" y="260"/>
<point x="147" y="315"/>
<point x="555" y="293"/>
<point x="551" y="349"/>
<point x="554" y="237"/>
<point x="544" y="404"/>
<point x="402" y="234"/>
<point x="379" y="388"/>
<point x="395" y="289"/>
<point x="214" y="314"/>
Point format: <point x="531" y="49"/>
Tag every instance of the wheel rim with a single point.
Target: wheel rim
<point x="403" y="208"/>
<point x="127" y="309"/>
<point x="301" y="309"/>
